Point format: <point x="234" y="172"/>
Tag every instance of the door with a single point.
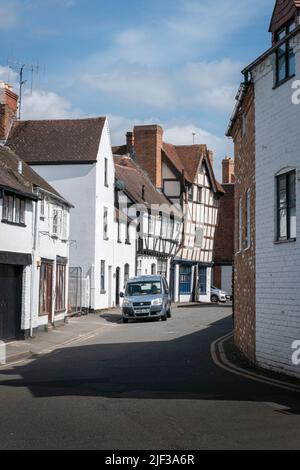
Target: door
<point x="46" y="286"/>
<point x="118" y="287"/>
<point x="10" y="301"/>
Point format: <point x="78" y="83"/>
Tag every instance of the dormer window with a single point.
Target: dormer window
<point x="285" y="56"/>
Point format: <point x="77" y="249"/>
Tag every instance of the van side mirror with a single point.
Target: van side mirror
<point x="122" y="295"/>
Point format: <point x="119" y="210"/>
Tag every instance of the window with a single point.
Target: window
<point x="185" y="286"/>
<point x="60" y="300"/>
<point x="139" y="268"/>
<point x="126" y="274"/>
<point x="42" y="210"/>
<point x="102" y="277"/>
<point x="153" y="269"/>
<point x="203" y="280"/>
<point x="65" y="226"/>
<point x="285" y="56"/>
<point x="190" y="194"/>
<point x="248" y="219"/>
<point x="57" y="223"/>
<point x="162" y="267"/>
<point x="286" y="206"/>
<point x="105" y="223"/>
<point x="240" y="243"/>
<point x="13" y="210"/>
<point x="199" y="194"/>
<point x="106" y="172"/>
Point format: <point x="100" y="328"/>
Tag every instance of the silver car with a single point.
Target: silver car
<point x="218" y="295"/>
<point x="146" y="297"/>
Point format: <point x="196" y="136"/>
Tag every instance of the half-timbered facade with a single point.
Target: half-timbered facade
<point x="158" y="225"/>
<point x="184" y="177"/>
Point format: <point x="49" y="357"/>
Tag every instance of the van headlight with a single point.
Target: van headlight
<point x="157" y="302"/>
<point x="127" y="303"/>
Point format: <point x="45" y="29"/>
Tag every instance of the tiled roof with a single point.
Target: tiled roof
<point x="57" y="141"/>
<point x="284" y="11"/>
<point x="134" y="179"/>
<point x="10" y="178"/>
<point x="187" y="158"/>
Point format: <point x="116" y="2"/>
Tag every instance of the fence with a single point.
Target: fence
<point x="79" y="292"/>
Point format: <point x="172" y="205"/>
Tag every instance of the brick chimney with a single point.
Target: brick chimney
<point x="129" y="141"/>
<point x="148" y="144"/>
<point x="8" y="109"/>
<point x="228" y="171"/>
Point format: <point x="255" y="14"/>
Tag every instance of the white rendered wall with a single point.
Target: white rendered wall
<point x="277" y="265"/>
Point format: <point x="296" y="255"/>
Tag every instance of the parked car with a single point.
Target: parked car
<point x="146" y="297"/>
<point x="218" y="295"/>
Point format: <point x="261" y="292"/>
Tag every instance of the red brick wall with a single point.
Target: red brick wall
<point x="244" y="261"/>
<point x="8" y="111"/>
<point x="148" y="144"/>
<point x="224" y="239"/>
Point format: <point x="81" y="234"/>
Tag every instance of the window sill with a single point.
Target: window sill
<point x="282" y="242"/>
<point x="13" y="223"/>
<point x="282" y="82"/>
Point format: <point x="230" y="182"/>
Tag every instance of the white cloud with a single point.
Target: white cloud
<point x="7" y="75"/>
<point x="136" y="85"/>
<point x="47" y="105"/>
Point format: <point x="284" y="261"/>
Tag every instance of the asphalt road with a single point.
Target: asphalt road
<point x="144" y="386"/>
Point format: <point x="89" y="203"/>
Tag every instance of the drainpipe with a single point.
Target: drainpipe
<point x="34" y="246"/>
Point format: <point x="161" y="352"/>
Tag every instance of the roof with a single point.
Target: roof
<point x="187" y="158"/>
<point x="284" y="11"/>
<point x="57" y="141"/>
<point x="135" y="179"/>
<point x="24" y="183"/>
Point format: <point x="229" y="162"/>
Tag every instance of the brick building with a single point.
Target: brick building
<point x="265" y="130"/>
<point x="224" y="240"/>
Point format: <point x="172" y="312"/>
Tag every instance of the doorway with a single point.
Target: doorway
<point x="10" y="301"/>
<point x="118" y="270"/>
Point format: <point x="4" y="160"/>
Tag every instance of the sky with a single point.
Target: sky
<point x="176" y="63"/>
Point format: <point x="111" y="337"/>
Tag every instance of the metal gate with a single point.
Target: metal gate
<point x="79" y="292"/>
<point x="10" y="301"/>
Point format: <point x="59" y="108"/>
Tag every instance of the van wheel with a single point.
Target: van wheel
<point x="125" y="320"/>
<point x="169" y="314"/>
<point x="164" y="318"/>
<point x="214" y="299"/>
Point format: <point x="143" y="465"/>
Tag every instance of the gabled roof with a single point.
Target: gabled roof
<point x="284" y="11"/>
<point x="134" y="180"/>
<point x="24" y="183"/>
<point x="188" y="158"/>
<point x="57" y="141"/>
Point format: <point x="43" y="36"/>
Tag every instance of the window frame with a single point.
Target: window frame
<point x="102" y="276"/>
<point x="60" y="291"/>
<point x="287" y="207"/>
<point x="105" y="224"/>
<point x="106" y="172"/>
<point x="12" y="203"/>
<point x="287" y="55"/>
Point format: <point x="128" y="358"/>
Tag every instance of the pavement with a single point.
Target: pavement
<point x="76" y="329"/>
<point x="148" y="385"/>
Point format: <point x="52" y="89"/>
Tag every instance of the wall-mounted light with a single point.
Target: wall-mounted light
<point x="39" y="262"/>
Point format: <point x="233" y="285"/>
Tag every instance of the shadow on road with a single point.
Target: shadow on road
<point x="180" y="369"/>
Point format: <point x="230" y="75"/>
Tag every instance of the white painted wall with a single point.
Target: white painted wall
<point x="277" y="266"/>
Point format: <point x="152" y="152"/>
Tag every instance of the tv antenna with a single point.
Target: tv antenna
<point x="194" y="135"/>
<point x="21" y="69"/>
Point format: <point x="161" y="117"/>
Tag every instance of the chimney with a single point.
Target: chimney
<point x="8" y="109"/>
<point x="148" y="142"/>
<point x="211" y="157"/>
<point x="228" y="171"/>
<point x="130" y="141"/>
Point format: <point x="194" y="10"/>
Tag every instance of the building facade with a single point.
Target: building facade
<point x="185" y="176"/>
<point x="34" y="250"/>
<point x="267" y="330"/>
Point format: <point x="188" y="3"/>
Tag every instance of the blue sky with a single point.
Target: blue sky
<point x="173" y="62"/>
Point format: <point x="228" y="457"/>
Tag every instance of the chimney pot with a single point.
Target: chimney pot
<point x="228" y="171"/>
